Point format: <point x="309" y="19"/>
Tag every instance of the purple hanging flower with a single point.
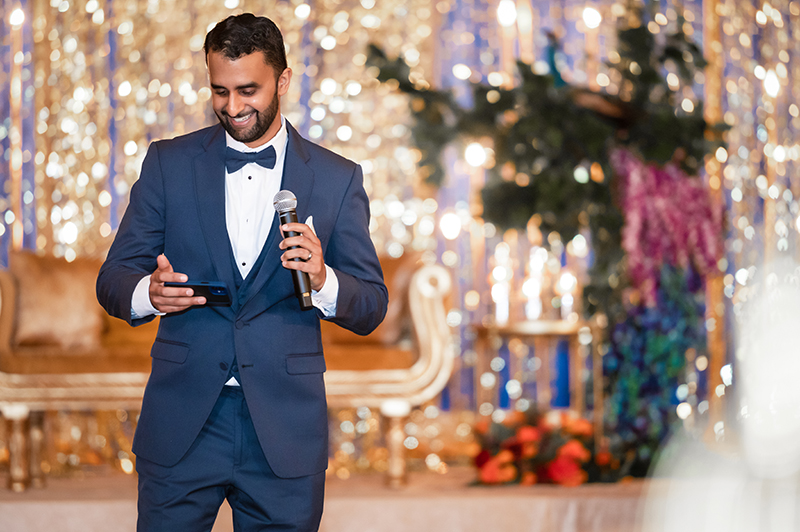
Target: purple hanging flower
<point x="669" y="219"/>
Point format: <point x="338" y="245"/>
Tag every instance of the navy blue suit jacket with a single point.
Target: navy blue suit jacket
<point x="177" y="207"/>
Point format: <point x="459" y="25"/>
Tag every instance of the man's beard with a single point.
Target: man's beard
<point x="263" y="121"/>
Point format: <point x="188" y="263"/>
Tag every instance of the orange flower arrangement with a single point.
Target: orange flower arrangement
<point x="499" y="469"/>
<point x="565" y="471"/>
<point x="574" y="451"/>
<point x="533" y="449"/>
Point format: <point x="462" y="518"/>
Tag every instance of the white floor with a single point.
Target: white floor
<point x="431" y="502"/>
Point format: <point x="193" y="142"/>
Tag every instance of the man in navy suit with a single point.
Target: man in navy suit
<point x="235" y="405"/>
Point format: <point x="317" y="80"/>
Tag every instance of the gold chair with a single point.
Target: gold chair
<point x="405" y="362"/>
<point x="58" y="350"/>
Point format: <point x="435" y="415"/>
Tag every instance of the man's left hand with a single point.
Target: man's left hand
<point x="308" y="249"/>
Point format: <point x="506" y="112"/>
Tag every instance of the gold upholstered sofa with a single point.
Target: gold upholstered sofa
<point x="59" y="350"/>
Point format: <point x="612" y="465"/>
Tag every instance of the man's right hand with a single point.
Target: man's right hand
<point x="168" y="298"/>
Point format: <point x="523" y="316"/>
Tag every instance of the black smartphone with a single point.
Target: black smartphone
<point x="215" y="292"/>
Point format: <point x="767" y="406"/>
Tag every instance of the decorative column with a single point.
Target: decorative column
<point x="591" y="21"/>
<point x="396" y="411"/>
<point x="16" y="20"/>
<point x="36" y="445"/>
<point x="507" y="18"/>
<point x="526" y="26"/>
<point x="715" y="298"/>
<point x="16" y="425"/>
<point x="771" y="87"/>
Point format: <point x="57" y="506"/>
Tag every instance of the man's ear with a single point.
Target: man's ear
<point x="284" y="80"/>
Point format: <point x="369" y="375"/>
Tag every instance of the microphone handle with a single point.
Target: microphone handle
<point x="302" y="284"/>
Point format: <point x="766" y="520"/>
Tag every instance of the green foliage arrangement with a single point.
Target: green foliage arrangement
<point x="543" y="130"/>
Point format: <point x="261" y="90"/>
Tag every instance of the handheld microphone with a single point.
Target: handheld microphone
<point x="285" y="204"/>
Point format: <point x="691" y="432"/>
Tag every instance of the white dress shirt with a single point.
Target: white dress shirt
<point x="248" y="216"/>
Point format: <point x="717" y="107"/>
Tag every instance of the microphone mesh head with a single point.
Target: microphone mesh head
<point x="284" y="201"/>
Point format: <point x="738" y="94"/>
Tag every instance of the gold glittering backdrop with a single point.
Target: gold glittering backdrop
<point x="110" y="77"/>
<point x="86" y="85"/>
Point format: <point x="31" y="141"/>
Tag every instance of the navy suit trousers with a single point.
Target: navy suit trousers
<point x="226" y="462"/>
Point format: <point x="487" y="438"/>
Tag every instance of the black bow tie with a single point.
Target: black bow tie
<point x="235" y="160"/>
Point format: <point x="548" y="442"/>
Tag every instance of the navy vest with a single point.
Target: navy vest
<point x="242" y="285"/>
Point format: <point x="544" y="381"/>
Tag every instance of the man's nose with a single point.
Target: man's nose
<point x="235" y="105"/>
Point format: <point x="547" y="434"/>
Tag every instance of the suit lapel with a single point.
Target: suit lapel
<point x="298" y="178"/>
<point x="209" y="171"/>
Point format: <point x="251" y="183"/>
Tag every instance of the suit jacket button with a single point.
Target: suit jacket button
<point x="240" y="324"/>
<point x="223" y="366"/>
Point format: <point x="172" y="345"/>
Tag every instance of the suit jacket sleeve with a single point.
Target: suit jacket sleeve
<point x="362" y="301"/>
<point x="139" y="241"/>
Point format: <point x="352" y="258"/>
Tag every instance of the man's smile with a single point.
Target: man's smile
<point x="242" y="120"/>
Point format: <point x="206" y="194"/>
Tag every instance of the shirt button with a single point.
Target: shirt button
<point x="249" y="177"/>
<point x="244" y="264"/>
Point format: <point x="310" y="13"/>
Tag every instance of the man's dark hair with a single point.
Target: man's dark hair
<point x="244" y="34"/>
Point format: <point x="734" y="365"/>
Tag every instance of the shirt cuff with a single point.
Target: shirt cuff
<point x="141" y="307"/>
<point x="325" y="300"/>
